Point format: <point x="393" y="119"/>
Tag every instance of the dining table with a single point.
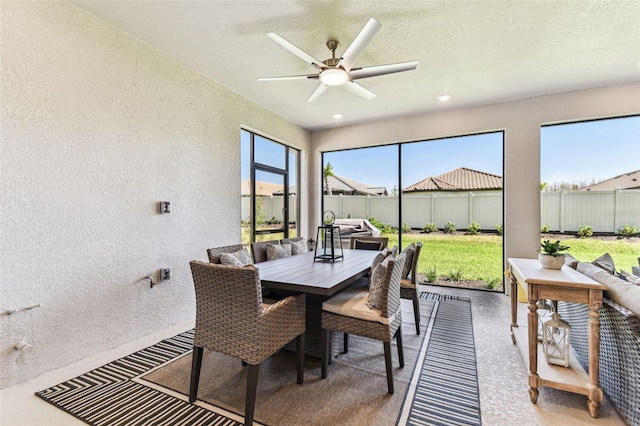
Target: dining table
<point x="319" y="280"/>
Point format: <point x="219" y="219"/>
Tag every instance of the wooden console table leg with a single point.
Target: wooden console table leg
<point x="514" y="304"/>
<point x="532" y="323"/>
<point x="593" y="388"/>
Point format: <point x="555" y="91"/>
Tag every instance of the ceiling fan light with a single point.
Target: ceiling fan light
<point x="334" y="76"/>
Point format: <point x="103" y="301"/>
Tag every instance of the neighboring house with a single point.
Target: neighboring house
<point x="342" y="185"/>
<point x="460" y="179"/>
<point x="345" y="186"/>
<point x="264" y="189"/>
<point x="629" y="180"/>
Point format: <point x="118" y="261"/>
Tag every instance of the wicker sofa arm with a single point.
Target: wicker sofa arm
<point x="632" y="320"/>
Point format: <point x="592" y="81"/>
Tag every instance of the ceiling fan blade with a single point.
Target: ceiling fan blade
<point x="382" y="69"/>
<point x="290" y="77"/>
<point x="316" y="93"/>
<point x="297" y="51"/>
<point x="357" y="46"/>
<point x="356" y="89"/>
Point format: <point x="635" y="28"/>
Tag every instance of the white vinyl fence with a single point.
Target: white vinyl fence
<point x="604" y="211"/>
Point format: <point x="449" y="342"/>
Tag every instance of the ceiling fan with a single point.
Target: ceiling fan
<point x="340" y="71"/>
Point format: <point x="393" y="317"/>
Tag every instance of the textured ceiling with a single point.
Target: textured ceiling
<point x="479" y="52"/>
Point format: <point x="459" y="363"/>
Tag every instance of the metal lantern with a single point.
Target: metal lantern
<point x="328" y="239"/>
<point x="556" y="340"/>
<point x="544" y="313"/>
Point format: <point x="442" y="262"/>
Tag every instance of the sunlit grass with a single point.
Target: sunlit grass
<point x="480" y="256"/>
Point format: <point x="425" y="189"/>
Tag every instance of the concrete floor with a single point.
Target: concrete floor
<point x="504" y="396"/>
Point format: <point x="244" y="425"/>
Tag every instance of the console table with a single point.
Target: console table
<point x="564" y="284"/>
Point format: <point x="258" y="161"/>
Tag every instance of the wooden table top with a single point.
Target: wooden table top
<point x="300" y="273"/>
<point x="531" y="271"/>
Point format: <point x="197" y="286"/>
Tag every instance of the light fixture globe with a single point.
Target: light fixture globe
<point x="334" y="76"/>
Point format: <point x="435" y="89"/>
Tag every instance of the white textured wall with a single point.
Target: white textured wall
<point x="521" y="121"/>
<point x="98" y="127"/>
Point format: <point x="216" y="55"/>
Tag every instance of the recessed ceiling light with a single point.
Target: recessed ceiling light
<point x="337" y="116"/>
<point x="444" y="97"/>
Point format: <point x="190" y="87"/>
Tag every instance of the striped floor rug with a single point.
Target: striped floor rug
<point x="444" y="389"/>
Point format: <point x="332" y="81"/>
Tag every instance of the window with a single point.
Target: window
<point x="590" y="187"/>
<point x="269" y="189"/>
<point x="419" y="191"/>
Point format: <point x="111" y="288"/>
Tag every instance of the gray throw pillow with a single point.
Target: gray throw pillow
<point x="279" y="251"/>
<point x="408" y="251"/>
<point x="299" y="247"/>
<point x="376" y="261"/>
<point x="605" y="262"/>
<point x="374" y="298"/>
<point x="237" y="258"/>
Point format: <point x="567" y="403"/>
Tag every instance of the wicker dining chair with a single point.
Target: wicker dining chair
<point x="259" y="250"/>
<point x="291" y="240"/>
<point x="383" y="241"/>
<point x="214" y="253"/>
<point x="409" y="286"/>
<point x="232" y="319"/>
<point x="348" y="312"/>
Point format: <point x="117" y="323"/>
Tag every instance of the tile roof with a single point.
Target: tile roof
<point x="460" y="179"/>
<point x="262" y="188"/>
<point x="629" y="180"/>
<point x="343" y="185"/>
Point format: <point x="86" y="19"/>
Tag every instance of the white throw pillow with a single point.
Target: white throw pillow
<point x="237" y="258"/>
<point x="278" y="251"/>
<point x="299" y="247"/>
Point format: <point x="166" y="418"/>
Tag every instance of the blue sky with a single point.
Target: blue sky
<point x="586" y="151"/>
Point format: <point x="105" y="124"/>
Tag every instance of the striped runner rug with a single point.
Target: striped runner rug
<point x="444" y="389"/>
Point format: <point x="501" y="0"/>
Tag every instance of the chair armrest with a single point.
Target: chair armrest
<point x="286" y="314"/>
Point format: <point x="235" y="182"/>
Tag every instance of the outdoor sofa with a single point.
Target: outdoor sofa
<point x="619" y="336"/>
<point x="355" y="227"/>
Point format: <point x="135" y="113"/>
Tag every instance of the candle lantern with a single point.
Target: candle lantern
<point x="556" y="340"/>
<point x="328" y="239"/>
<point x="544" y="313"/>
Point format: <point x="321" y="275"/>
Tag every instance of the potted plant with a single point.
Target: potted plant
<point x="550" y="255"/>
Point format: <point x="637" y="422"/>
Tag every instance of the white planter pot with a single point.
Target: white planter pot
<point x="551" y="262"/>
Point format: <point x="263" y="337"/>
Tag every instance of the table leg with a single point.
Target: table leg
<point x="593" y="388"/>
<point x="514" y="304"/>
<point x="532" y="332"/>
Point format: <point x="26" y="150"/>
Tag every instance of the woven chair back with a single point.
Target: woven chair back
<point x="228" y="305"/>
<point x="384" y="241"/>
<point x="291" y="240"/>
<point x="259" y="250"/>
<point x="391" y="286"/>
<point x="214" y="253"/>
<point x="413" y="273"/>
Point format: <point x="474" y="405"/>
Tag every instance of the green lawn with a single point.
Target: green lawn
<point x="480" y="256"/>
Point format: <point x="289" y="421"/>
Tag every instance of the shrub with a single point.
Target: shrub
<point x="492" y="282"/>
<point x="432" y="275"/>
<point x="449" y="228"/>
<point x="498" y="228"/>
<point x="430" y="227"/>
<point x="585" y="231"/>
<point x="473" y="228"/>
<point x="384" y="228"/>
<point x="627" y="231"/>
<point x="455" y="275"/>
<point x="544" y="229"/>
<point x="405" y="228"/>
